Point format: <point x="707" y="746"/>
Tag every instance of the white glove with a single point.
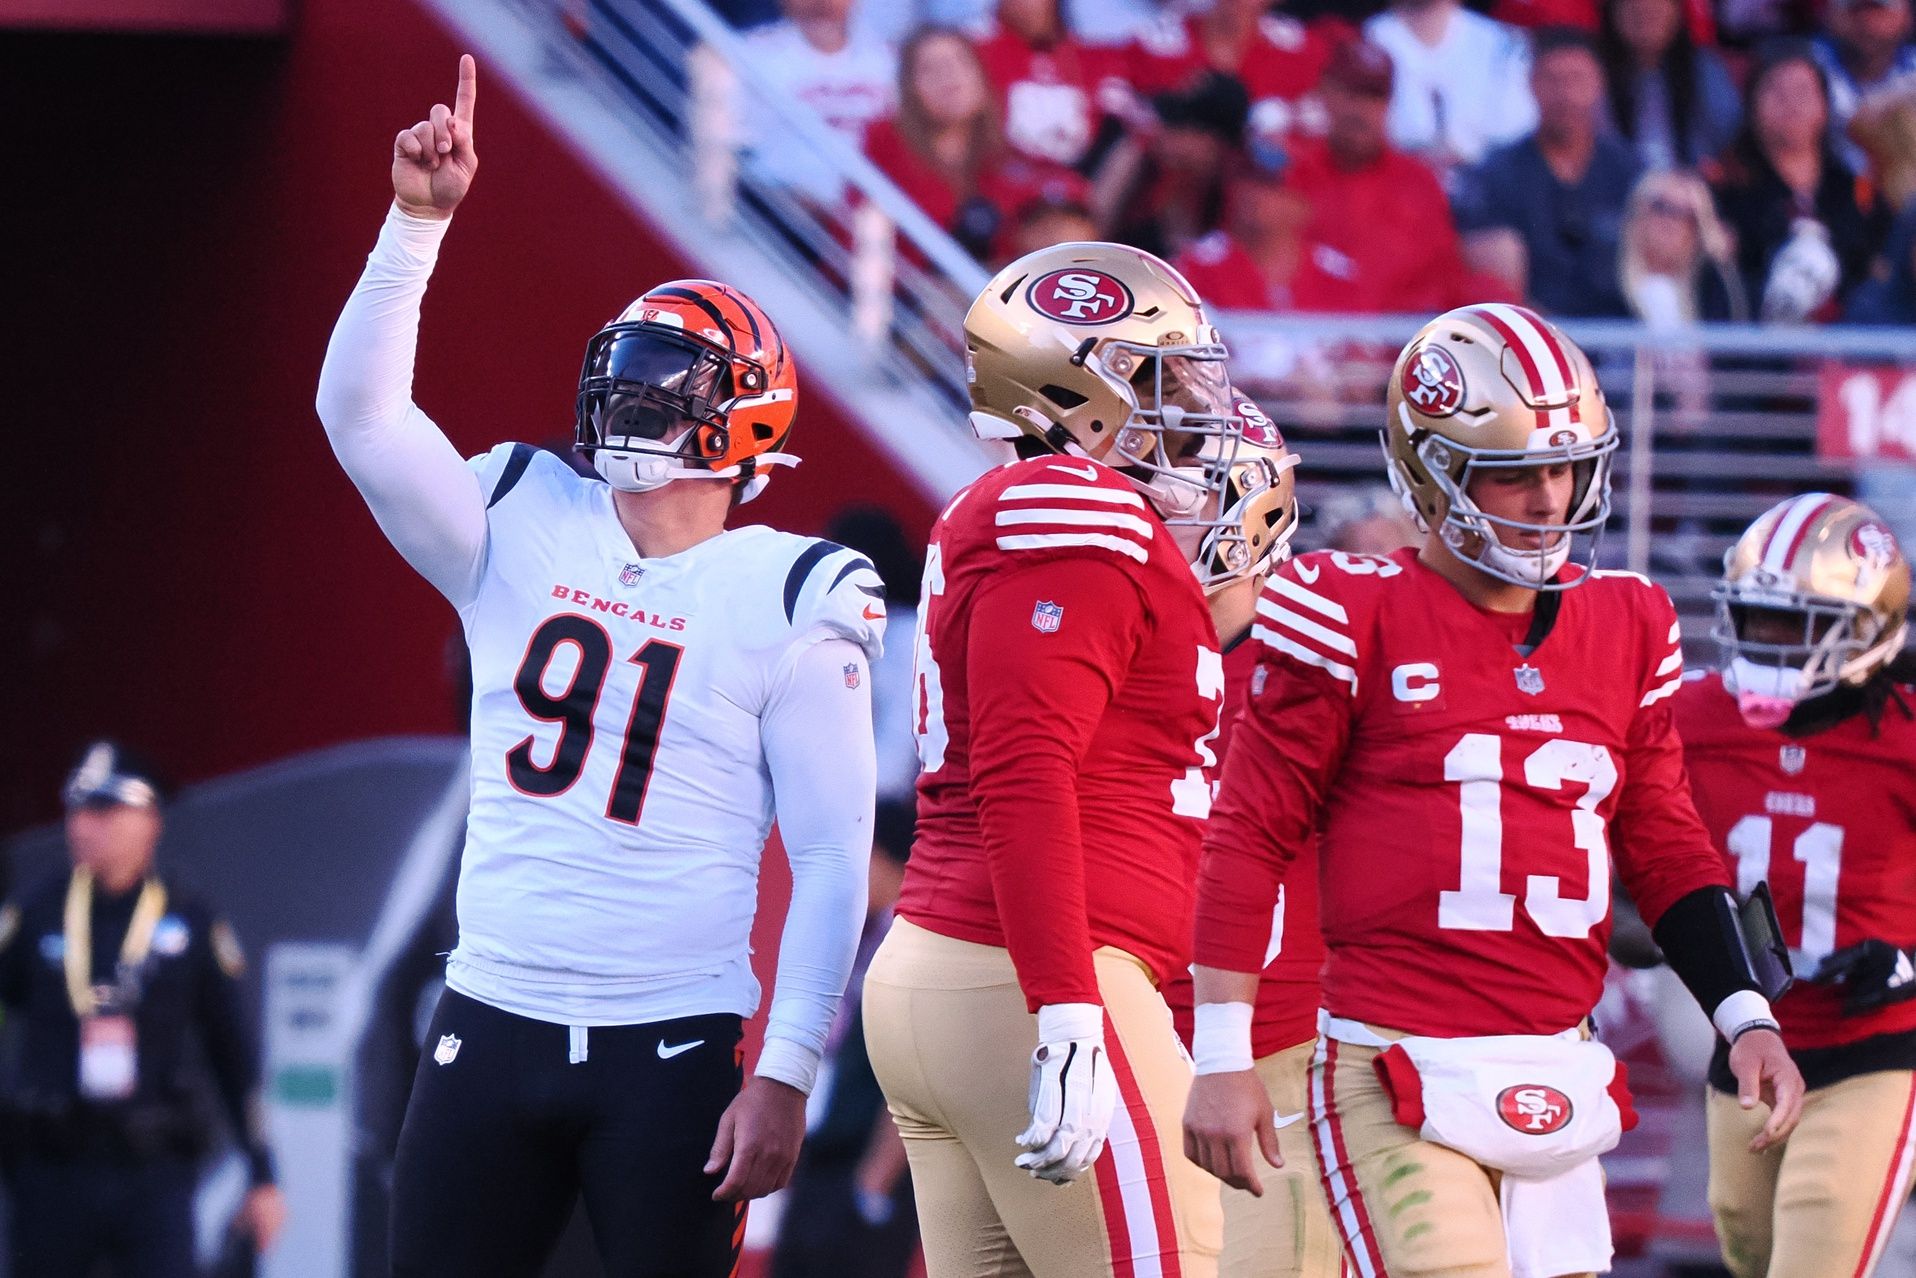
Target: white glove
<point x="1073" y="1093"/>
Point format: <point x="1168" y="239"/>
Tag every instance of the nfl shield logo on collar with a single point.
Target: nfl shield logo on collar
<point x="1047" y="617"/>
<point x="1529" y="679"/>
<point x="447" y="1049"/>
<point x="1794" y="759"/>
<point x="851" y="674"/>
<point x="630" y="574"/>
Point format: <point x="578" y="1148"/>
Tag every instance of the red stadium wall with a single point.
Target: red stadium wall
<point x="193" y="570"/>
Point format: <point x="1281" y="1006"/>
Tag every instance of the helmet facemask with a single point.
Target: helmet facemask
<point x="1183" y="432"/>
<point x="1472" y="534"/>
<point x="1247" y="530"/>
<point x="652" y="407"/>
<point x="1837" y="641"/>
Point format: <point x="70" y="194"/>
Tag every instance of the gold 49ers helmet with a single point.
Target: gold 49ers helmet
<point x="1813" y="596"/>
<point x="1491" y="386"/>
<point x="1256" y="509"/>
<point x="1104" y="351"/>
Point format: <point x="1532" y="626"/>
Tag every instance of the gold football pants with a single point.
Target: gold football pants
<point x="951" y="1044"/>
<point x="1405" y="1207"/>
<point x="1288" y="1232"/>
<point x="1823" y="1205"/>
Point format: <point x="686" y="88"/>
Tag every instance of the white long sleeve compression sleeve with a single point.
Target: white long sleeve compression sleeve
<point x="426" y="499"/>
<point x="817" y="734"/>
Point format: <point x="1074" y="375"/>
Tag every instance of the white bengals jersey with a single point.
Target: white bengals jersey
<point x="620" y="793"/>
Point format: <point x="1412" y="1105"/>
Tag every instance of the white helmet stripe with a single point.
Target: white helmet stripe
<point x="1788" y="533"/>
<point x="1543" y="362"/>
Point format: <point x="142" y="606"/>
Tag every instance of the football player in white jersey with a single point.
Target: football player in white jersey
<point x="650" y="689"/>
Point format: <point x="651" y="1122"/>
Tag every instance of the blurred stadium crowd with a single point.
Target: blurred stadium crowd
<point x="1667" y="160"/>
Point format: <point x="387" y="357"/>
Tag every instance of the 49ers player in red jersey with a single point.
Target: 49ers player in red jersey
<point x="1462" y="732"/>
<point x="1068" y="688"/>
<point x="1802" y="756"/>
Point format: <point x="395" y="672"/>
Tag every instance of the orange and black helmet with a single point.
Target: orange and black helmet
<point x="688" y="351"/>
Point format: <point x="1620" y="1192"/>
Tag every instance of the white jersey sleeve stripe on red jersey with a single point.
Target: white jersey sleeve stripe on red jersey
<point x="1676" y="632"/>
<point x="1661" y="691"/>
<point x="1672" y="662"/>
<point x="1071" y="492"/>
<point x="1045" y="541"/>
<point x="1076" y="519"/>
<point x="1266" y="635"/>
<point x="1310" y="599"/>
<point x="1336" y="642"/>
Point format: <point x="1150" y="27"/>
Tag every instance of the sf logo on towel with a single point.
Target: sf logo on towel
<point x="1533" y="1109"/>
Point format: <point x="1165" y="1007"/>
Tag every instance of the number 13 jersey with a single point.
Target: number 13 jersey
<point x="620" y="791"/>
<point x="1468" y="799"/>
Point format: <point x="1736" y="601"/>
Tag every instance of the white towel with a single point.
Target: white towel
<point x="1557" y="1225"/>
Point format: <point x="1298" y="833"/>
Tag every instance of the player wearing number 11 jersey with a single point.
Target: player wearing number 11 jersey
<point x="1471" y="732"/>
<point x="1802" y="756"/>
<point x="649" y="690"/>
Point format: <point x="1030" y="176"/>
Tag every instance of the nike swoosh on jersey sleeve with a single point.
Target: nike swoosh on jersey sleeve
<point x="832" y="588"/>
<point x="1306" y="625"/>
<point x="1067" y="508"/>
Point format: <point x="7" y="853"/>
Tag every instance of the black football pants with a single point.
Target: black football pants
<point x="506" y="1128"/>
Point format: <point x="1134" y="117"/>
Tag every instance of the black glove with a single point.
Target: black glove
<point x="1875" y="974"/>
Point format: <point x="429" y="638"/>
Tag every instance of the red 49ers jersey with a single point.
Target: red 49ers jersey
<point x="1067" y="690"/>
<point x="1467" y="800"/>
<point x="1280" y="70"/>
<point x="1830" y="821"/>
<point x="1288" y="989"/>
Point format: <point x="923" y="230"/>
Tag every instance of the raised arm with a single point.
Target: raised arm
<point x="427" y="500"/>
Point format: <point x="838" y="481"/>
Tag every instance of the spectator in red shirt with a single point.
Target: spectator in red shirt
<point x="1263" y="259"/>
<point x="1278" y="59"/>
<point x="1378" y="208"/>
<point x="1048" y="82"/>
<point x="1163" y="186"/>
<point x="944" y="147"/>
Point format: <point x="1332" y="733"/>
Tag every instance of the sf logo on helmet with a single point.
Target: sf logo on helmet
<point x="1433" y="383"/>
<point x="1257" y="427"/>
<point x="1874" y="545"/>
<point x="1080" y="296"/>
<point x="1533" y="1109"/>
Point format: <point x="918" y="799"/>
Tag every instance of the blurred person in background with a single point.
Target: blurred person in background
<point x="944" y="147"/>
<point x="1677" y="264"/>
<point x="1364" y="519"/>
<point x="1162" y="187"/>
<point x="1864" y="47"/>
<point x="1261" y="259"/>
<point x="1802" y="237"/>
<point x="1889" y="297"/>
<point x="1374" y="205"/>
<point x="128" y="990"/>
<point x="1462" y="84"/>
<point x="1047" y="220"/>
<point x="1048" y="83"/>
<point x="1673" y="100"/>
<point x="1277" y="58"/>
<point x="1801" y="754"/>
<point x="850" y="1212"/>
<point x="1545" y="214"/>
<point x="816" y="55"/>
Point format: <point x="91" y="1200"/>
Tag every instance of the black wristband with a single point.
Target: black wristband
<point x="1704" y="947"/>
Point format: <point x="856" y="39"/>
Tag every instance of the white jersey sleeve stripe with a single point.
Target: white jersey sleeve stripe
<point x="1662" y="690"/>
<point x="1309" y="598"/>
<point x="1076" y="519"/>
<point x="1672" y="662"/>
<point x="1071" y="492"/>
<point x="1045" y="541"/>
<point x="1266" y="635"/>
<point x="1331" y="639"/>
<point x="1676" y="632"/>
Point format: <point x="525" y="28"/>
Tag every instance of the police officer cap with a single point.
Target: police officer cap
<point x="108" y="773"/>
